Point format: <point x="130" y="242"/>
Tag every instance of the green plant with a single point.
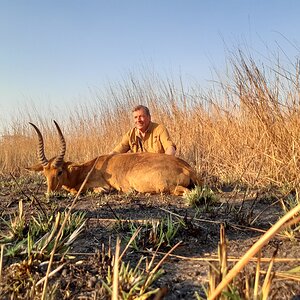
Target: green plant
<point x="16" y="226"/>
<point x="37" y="234"/>
<point x="133" y="282"/>
<point x="32" y="241"/>
<point x="126" y="283"/>
<point x="156" y="233"/>
<point x="287" y="203"/>
<point x="200" y="196"/>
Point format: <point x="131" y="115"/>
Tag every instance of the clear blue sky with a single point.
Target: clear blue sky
<point x="56" y="50"/>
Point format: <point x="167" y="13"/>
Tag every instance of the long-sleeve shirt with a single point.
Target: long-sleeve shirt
<point x="156" y="140"/>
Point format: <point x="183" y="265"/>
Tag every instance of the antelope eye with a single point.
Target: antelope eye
<point x="59" y="173"/>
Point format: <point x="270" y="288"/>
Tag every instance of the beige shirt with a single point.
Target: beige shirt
<point x="156" y="140"/>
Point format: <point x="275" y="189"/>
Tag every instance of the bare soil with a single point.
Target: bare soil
<point x="244" y="213"/>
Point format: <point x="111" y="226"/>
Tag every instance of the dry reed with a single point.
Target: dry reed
<point x="246" y="131"/>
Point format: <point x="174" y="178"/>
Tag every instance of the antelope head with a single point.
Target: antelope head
<point x="55" y="169"/>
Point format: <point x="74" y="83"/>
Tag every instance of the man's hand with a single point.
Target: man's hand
<point x="170" y="150"/>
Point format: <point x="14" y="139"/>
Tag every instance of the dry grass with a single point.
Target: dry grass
<point x="245" y="131"/>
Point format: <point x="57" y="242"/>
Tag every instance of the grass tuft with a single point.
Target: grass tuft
<point x="200" y="196"/>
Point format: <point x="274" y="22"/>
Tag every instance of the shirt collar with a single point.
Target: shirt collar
<point x="147" y="130"/>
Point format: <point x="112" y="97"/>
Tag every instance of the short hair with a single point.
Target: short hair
<point x="144" y="108"/>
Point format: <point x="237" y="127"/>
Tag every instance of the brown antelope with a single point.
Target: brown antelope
<point x="143" y="172"/>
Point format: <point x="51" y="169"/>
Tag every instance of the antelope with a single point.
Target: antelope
<point x="143" y="172"/>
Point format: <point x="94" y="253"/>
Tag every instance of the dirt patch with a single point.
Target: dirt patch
<point x="243" y="213"/>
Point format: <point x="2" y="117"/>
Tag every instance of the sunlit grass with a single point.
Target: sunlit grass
<point x="246" y="130"/>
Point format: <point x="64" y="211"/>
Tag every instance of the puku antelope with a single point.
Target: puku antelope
<point x="143" y="172"/>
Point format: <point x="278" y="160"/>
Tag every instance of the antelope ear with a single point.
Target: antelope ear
<point x="70" y="166"/>
<point x="35" y="168"/>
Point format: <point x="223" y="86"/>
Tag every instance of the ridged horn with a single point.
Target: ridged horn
<point x="41" y="153"/>
<point x="60" y="157"/>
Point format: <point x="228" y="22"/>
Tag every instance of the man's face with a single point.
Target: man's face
<point x="141" y="120"/>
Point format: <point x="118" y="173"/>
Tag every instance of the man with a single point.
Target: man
<point x="146" y="136"/>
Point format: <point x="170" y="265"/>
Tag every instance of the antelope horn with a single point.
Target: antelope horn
<point x="41" y="153"/>
<point x="59" y="159"/>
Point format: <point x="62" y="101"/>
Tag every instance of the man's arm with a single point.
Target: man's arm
<point x="166" y="141"/>
<point x="122" y="147"/>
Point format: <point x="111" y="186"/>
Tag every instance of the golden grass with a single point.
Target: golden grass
<point x="246" y="131"/>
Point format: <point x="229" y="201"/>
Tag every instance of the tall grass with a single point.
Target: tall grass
<point x="244" y="130"/>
